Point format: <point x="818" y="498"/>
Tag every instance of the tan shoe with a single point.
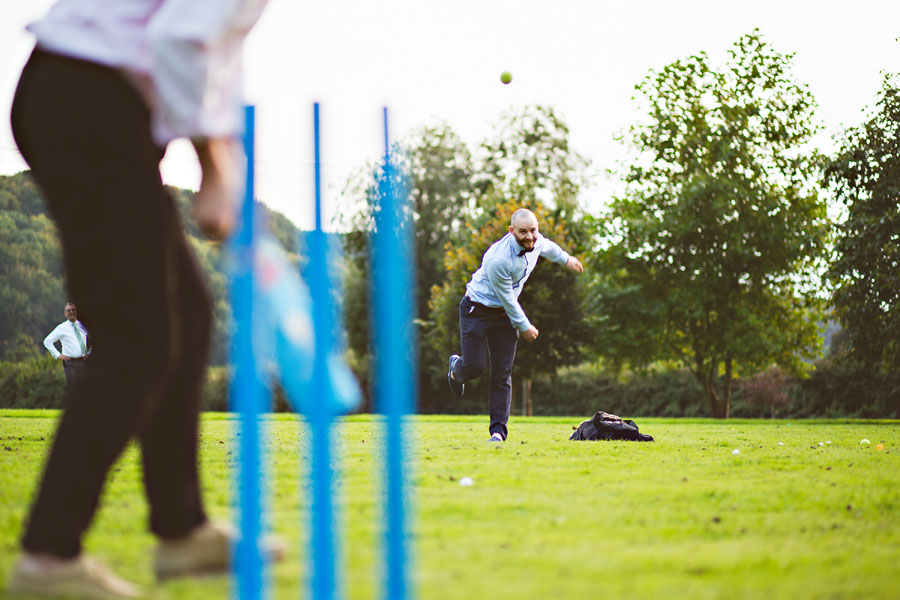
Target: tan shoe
<point x="205" y="550"/>
<point x="80" y="577"/>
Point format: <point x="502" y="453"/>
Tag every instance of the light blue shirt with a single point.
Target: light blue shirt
<point x="503" y="273"/>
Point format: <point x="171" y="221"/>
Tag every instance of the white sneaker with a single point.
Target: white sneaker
<point x="80" y="577"/>
<point x="205" y="550"/>
<point x="496" y="438"/>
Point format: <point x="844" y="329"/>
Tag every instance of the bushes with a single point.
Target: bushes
<point x="215" y="392"/>
<point x="36" y="383"/>
<point x="583" y="391"/>
<point x="834" y="390"/>
<point x="843" y="389"/>
<point x="41" y="383"/>
<point x="215" y="389"/>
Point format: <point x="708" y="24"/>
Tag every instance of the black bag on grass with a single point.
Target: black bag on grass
<point x="604" y="426"/>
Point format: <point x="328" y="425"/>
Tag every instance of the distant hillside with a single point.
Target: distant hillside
<point x="32" y="281"/>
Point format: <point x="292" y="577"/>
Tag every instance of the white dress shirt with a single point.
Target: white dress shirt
<point x="183" y="55"/>
<point x="504" y="271"/>
<point x="65" y="335"/>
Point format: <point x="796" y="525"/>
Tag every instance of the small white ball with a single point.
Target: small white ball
<point x="735" y="451"/>
<point x="781" y="443"/>
<point x="466" y="481"/>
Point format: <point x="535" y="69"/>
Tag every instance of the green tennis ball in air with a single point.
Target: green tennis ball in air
<point x="506" y="77"/>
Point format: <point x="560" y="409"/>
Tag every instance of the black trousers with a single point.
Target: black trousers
<point x="85" y="132"/>
<point x="73" y="369"/>
<point x="484" y="329"/>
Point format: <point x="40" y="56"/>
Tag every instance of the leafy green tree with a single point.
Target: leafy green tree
<point x="865" y="178"/>
<point x="720" y="235"/>
<point x="437" y="166"/>
<point x="529" y="158"/>
<point x="32" y="282"/>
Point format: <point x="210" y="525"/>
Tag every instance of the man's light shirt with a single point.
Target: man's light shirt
<point x="65" y="335"/>
<point x="504" y="270"/>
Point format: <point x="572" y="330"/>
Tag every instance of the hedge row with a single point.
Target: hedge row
<point x="41" y="383"/>
<point x="832" y="390"/>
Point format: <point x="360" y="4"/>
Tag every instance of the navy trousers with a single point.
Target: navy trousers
<point x="85" y="132"/>
<point x="487" y="335"/>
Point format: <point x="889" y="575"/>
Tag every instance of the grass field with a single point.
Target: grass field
<point x="682" y="517"/>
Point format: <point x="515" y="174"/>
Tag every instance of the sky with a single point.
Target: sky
<point x="440" y="62"/>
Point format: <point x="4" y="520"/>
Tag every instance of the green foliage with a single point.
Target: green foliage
<point x="529" y="159"/>
<point x="680" y="517"/>
<point x="36" y="383"/>
<point x="31" y="287"/>
<point x="719" y="239"/>
<point x="584" y="390"/>
<point x="865" y="178"/>
<point x="32" y="282"/>
<point x="846" y="389"/>
<point x="436" y="164"/>
<point x="20" y="349"/>
<point x="839" y="389"/>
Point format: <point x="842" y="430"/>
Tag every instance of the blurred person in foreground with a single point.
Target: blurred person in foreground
<point x="107" y="87"/>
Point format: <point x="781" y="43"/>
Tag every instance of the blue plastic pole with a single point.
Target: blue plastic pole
<point x="322" y="547"/>
<point x="394" y="360"/>
<point x="247" y="394"/>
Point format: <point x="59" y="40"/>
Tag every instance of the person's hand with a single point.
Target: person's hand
<point x="530" y="335"/>
<point x="215" y="203"/>
<point x="575" y="264"/>
<point x="63" y="357"/>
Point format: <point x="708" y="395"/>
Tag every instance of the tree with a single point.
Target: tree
<point x="714" y="247"/>
<point x="865" y="178"/>
<point x="32" y="281"/>
<point x="437" y="166"/>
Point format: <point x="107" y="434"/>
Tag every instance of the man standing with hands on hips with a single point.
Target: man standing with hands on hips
<point x="73" y="337"/>
<point x="490" y="314"/>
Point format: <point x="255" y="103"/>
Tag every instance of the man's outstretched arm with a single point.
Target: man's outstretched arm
<point x="575" y="265"/>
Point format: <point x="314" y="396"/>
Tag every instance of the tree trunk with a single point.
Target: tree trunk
<point x="707" y="378"/>
<point x="526" y="397"/>
<point x="727" y="401"/>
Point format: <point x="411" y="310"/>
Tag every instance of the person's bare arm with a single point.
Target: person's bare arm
<point x="215" y="204"/>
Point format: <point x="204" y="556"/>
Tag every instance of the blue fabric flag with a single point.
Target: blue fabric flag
<point x="284" y="337"/>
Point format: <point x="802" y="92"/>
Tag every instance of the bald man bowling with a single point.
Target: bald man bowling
<point x="490" y="316"/>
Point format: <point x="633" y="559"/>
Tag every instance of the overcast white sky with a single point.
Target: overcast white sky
<point x="430" y="61"/>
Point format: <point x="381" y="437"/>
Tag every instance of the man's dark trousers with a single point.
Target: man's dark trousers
<point x="486" y="330"/>
<point x="74" y="369"/>
<point x="85" y="132"/>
